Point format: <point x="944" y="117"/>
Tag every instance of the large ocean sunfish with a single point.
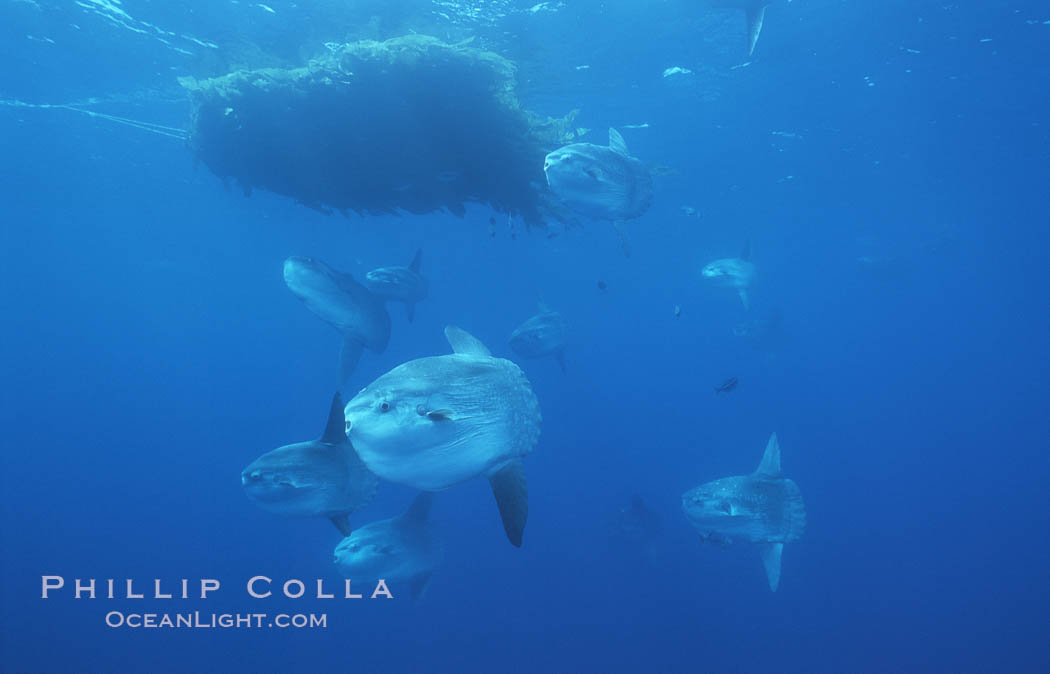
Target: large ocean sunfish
<point x="763" y="508"/>
<point x="404" y="548"/>
<point x="602" y="182"/>
<point x="346" y="305"/>
<point x="320" y="478"/>
<point x="432" y="423"/>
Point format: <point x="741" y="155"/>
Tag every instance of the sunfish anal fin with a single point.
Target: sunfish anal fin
<point x="756" y="15"/>
<point x="348" y="357"/>
<point x="419" y="585"/>
<point x="743" y="298"/>
<point x="342" y="523"/>
<point x="621" y="230"/>
<point x="771" y="553"/>
<point x="335" y="430"/>
<point x="463" y="342"/>
<point x="770" y="464"/>
<point x="417" y="261"/>
<point x="560" y="357"/>
<point x="420" y="508"/>
<point x="512" y="497"/>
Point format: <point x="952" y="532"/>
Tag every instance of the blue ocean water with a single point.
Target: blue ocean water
<point x="889" y="164"/>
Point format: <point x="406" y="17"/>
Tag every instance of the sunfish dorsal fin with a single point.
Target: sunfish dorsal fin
<point x="756" y="14"/>
<point x="771" y="553"/>
<point x="616" y="142"/>
<point x="417" y="261"/>
<point x="342" y="523"/>
<point x="463" y="342"/>
<point x="335" y="429"/>
<point x="420" y="508"/>
<point x="770" y="464"/>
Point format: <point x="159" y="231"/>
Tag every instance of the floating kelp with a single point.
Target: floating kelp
<point x="411" y="124"/>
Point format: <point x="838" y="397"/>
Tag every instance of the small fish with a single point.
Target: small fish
<point x="602" y="286"/>
<point x="677" y="311"/>
<point x="726" y="386"/>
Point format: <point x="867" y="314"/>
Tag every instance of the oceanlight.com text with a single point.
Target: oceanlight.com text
<point x="199" y="620"/>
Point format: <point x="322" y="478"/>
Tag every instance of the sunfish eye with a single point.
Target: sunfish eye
<point x="384" y="406"/>
<point x="420" y="410"/>
<point x="725" y="507"/>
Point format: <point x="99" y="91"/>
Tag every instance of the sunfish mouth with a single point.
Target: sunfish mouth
<point x="259" y="478"/>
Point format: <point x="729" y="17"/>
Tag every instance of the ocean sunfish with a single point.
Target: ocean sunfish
<point x="432" y="423"/>
<point x="400" y="284"/>
<point x="339" y="300"/>
<point x="602" y="182"/>
<point x="733" y="272"/>
<point x="404" y="548"/>
<point x="754" y="13"/>
<point x="762" y="508"/>
<point x="321" y="478"/>
<point x="541" y="335"/>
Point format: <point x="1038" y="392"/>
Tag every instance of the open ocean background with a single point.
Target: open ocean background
<point x="890" y="163"/>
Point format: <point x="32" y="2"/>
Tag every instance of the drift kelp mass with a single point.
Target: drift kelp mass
<point x="410" y="124"/>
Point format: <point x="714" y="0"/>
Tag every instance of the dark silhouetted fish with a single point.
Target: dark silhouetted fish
<point x="726" y="386"/>
<point x="638" y="524"/>
<point x="541" y="335"/>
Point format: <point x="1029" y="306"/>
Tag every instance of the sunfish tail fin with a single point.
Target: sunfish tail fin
<point x="771" y="553"/>
<point x="770" y="464"/>
<point x="335" y="429"/>
<point x="756" y="15"/>
<point x="348" y="357"/>
<point x="512" y="497"/>
<point x="417" y="261"/>
<point x="342" y="523"/>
